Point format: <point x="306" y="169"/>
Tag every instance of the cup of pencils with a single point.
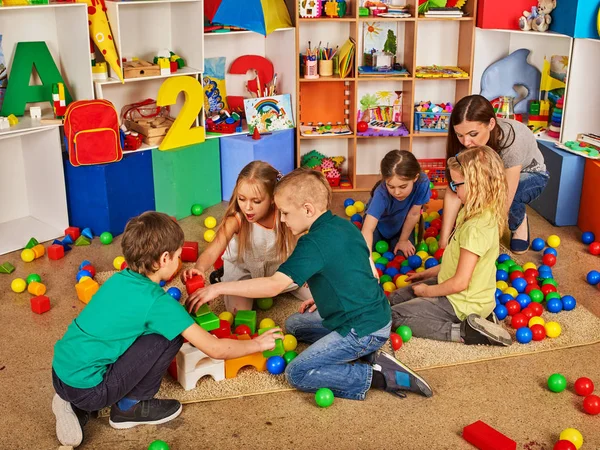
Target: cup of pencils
<point x="325" y="62"/>
<point x="310" y="65"/>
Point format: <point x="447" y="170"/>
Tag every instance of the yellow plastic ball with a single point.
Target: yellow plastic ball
<point x="360" y="206"/>
<point x="529" y="265"/>
<point x="423" y="255"/>
<point x="536" y="321"/>
<point x="434" y="215"/>
<point x="502" y="285"/>
<point x="226" y="315"/>
<point x="82" y="279"/>
<point x="289" y="343"/>
<point x="420" y="269"/>
<point x="553" y="241"/>
<point x="425" y="217"/>
<point x="118" y="262"/>
<point x="18" y="285"/>
<point x="375" y="256"/>
<point x="553" y="329"/>
<point x="267" y="323"/>
<point x="210" y="222"/>
<point x="430" y="240"/>
<point x="401" y="281"/>
<point x="209" y="235"/>
<point x="351" y="210"/>
<point x="573" y="436"/>
<point x="388" y="286"/>
<point x="27" y="255"/>
<point x="512" y="291"/>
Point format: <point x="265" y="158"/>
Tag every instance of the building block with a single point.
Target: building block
<point x="4" y="123"/>
<point x="194" y="283"/>
<point x="36" y="288"/>
<point x="73" y="232"/>
<point x="12" y="120"/>
<point x="173" y="368"/>
<point x="35" y="112"/>
<point x="39" y="251"/>
<point x="86" y="290"/>
<point x="189" y="252"/>
<point x="208" y="321"/>
<point x="224" y="330"/>
<point x="176" y="174"/>
<point x="32" y="243"/>
<point x="237" y="151"/>
<point x="67" y="240"/>
<point x="559" y="202"/>
<point x="105" y="196"/>
<point x="40" y="304"/>
<point x="7" y="268"/>
<point x="193" y="364"/>
<point x="82" y="241"/>
<point x="246" y="318"/>
<point x="277" y="351"/>
<point x="589" y="213"/>
<point x="87" y="232"/>
<point x="576" y="18"/>
<point x="484" y="437"/>
<point x="56" y="252"/>
<point x="501" y="14"/>
<point x="233" y="366"/>
<point x="203" y="310"/>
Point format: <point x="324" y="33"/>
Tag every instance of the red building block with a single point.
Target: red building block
<point x="194" y="283"/>
<point x="484" y="437"/>
<point x="74" y="232"/>
<point x="56" y="251"/>
<point x="502" y="14"/>
<point x="189" y="252"/>
<point x="40" y="304"/>
<point x="173" y="369"/>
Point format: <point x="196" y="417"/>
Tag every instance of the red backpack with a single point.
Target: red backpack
<point x="92" y="133"/>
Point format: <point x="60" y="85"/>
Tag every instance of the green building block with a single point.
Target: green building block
<point x="262" y="330"/>
<point x="246" y="318"/>
<point x="177" y="176"/>
<point x="82" y="240"/>
<point x="277" y="351"/>
<point x="7" y="268"/>
<point x="208" y="321"/>
<point x="32" y="243"/>
<point x="204" y="309"/>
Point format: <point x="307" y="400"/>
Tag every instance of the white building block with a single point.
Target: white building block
<point x="193" y="364"/>
<point x="35" y="112"/>
<point x="4" y="123"/>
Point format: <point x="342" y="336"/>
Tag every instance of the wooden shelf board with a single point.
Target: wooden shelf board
<point x="442" y="78"/>
<point x="382" y="137"/>
<point x="383" y="78"/>
<point x="457" y="19"/>
<point x="386" y="19"/>
<point x="334" y="136"/>
<point x="328" y="19"/>
<point x="181" y="72"/>
<point x="235" y="33"/>
<point x="326" y="79"/>
<point x="421" y="134"/>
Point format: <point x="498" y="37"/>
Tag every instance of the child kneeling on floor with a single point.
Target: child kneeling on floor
<point x="455" y="297"/>
<point x="117" y="350"/>
<point x="354" y="318"/>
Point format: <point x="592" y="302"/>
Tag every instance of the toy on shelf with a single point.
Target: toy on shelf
<point x="100" y="33"/>
<point x="137" y="68"/>
<point x="539" y="114"/>
<point x="586" y="145"/>
<point x="440" y="72"/>
<point x="538" y="19"/>
<point x="324" y="129"/>
<point x="329" y="166"/>
<point x="430" y="117"/>
<point x="168" y="60"/>
<point x="556" y="119"/>
<point x="59" y="103"/>
<point x="309" y="9"/>
<point x="380" y="114"/>
<point x="435" y="170"/>
<point x="100" y="71"/>
<point x="224" y="122"/>
<point x="148" y="119"/>
<point x="335" y="8"/>
<point x="260" y="16"/>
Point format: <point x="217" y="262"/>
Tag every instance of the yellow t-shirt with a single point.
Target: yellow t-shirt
<point x="478" y="235"/>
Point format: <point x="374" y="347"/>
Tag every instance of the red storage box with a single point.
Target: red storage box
<point x="435" y="170"/>
<point x="589" y="212"/>
<point x="502" y="14"/>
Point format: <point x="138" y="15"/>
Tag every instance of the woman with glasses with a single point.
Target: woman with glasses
<point x="473" y="123"/>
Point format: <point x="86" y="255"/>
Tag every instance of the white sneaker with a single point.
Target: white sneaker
<point x="68" y="428"/>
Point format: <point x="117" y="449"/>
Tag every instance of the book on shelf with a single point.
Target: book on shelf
<point x="346" y="57"/>
<point x="373" y="71"/>
<point x="589" y="138"/>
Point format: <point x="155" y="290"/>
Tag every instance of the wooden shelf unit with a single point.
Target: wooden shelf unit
<point x="414" y="41"/>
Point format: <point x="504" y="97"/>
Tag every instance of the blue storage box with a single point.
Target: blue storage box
<point x="576" y="18"/>
<point x="104" y="197"/>
<point x="559" y="203"/>
<point x="236" y="151"/>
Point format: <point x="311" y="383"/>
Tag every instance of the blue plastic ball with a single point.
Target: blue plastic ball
<point x="392" y="271"/>
<point x="162" y="283"/>
<point x="501" y="275"/>
<point x="519" y="284"/>
<point x="593" y="277"/>
<point x="544" y="268"/>
<point x="405" y="269"/>
<point x="503" y="258"/>
<point x="588" y="237"/>
<point x="275" y="365"/>
<point x="426" y="225"/>
<point x="568" y="302"/>
<point x="348" y="202"/>
<point x="504" y="298"/>
<point x="554" y="305"/>
<point x="84" y="263"/>
<point x="523" y="299"/>
<point x="380" y="267"/>
<point x="83" y="273"/>
<point x="431" y="262"/>
<point x="545" y="275"/>
<point x="415" y="261"/>
<point x="501" y="312"/>
<point x="537" y="244"/>
<point x="356" y="218"/>
<point x="524" y="335"/>
<point x="498" y="293"/>
<point x="388" y="255"/>
<point x="174" y="292"/>
<point x="551" y="251"/>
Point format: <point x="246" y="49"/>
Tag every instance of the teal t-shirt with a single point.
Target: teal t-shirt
<point x="333" y="259"/>
<point x="127" y="306"/>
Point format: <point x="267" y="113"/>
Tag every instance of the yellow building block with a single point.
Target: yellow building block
<point x="39" y="250"/>
<point x="86" y="290"/>
<point x="232" y="366"/>
<point x="12" y="120"/>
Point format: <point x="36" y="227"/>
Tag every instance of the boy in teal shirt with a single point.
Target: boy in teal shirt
<point x="120" y="346"/>
<point x="354" y="315"/>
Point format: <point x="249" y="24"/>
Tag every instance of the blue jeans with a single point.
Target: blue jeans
<point x="328" y="362"/>
<point x="530" y="187"/>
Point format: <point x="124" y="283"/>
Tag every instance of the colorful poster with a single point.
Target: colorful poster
<point x="269" y="113"/>
<point x="215" y="95"/>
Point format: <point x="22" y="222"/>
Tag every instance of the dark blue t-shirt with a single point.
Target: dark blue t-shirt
<point x="391" y="213"/>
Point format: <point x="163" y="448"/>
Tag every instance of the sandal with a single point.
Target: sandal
<point x="520" y="246"/>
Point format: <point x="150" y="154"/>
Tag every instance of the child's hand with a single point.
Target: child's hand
<point x="307" y="304"/>
<point x="405" y="247"/>
<point x="420" y="290"/>
<point x="189" y="273"/>
<point x="412" y="277"/>
<point x="201" y="296"/>
<point x="266" y="341"/>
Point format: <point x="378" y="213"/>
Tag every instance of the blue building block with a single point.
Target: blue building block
<point x="576" y="18"/>
<point x="236" y="151"/>
<point x="559" y="203"/>
<point x="104" y="197"/>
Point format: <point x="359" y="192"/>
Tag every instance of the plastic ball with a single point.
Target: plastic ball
<point x="356" y="218"/>
<point x="537" y="309"/>
<point x="433" y="247"/>
<point x="537" y="320"/>
<point x="554" y="305"/>
<point x="434" y="215"/>
<point x="519" y="321"/>
<point x="392" y="271"/>
<point x="396" y="341"/>
<point x="351" y="210"/>
<point x="504" y="299"/>
<point x="423" y="255"/>
<point x="564" y="445"/>
<point x="264" y="303"/>
<point x="501" y="312"/>
<point x="553" y="241"/>
<point x="527" y="312"/>
<point x="415" y="261"/>
<point x="588" y="237"/>
<point x="551" y="281"/>
<point x="502" y="285"/>
<point x="18" y="285"/>
<point x="593" y="277"/>
<point x="423" y="247"/>
<point x="511" y="291"/>
<point x="434" y="194"/>
<point x="591" y="405"/>
<point x="438" y="255"/>
<point x="553" y="329"/>
<point x="382" y="246"/>
<point x="388" y="286"/>
<point x="594" y="248"/>
<point x="389" y="256"/>
<point x="520" y="284"/>
<point x="549" y="259"/>
<point x="524" y="335"/>
<point x="158" y="445"/>
<point x="551" y="251"/>
<point x="538" y="332"/>
<point x="106" y="238"/>
<point x="243" y="329"/>
<point x="324" y="398"/>
<point x="568" y="302"/>
<point x="226" y="315"/>
<point x="557" y="382"/>
<point x="514" y="268"/>
<point x="209" y="235"/>
<point x="501" y="275"/>
<point x="536" y="295"/>
<point x="503" y="257"/>
<point x="523" y="300"/>
<point x="584" y="386"/>
<point x="358" y="225"/>
<point x="375" y="256"/>
<point x="267" y="323"/>
<point x="360" y="206"/>
<point x="348" y="202"/>
<point x="174" y="292"/>
<point x="275" y="365"/>
<point x="512" y="306"/>
<point x="537" y="244"/>
<point x="27" y="255"/>
<point x="197" y="209"/>
<point x="83" y="273"/>
<point x="210" y="222"/>
<point x="402" y="282"/>
<point x="405" y="332"/>
<point x="431" y="262"/>
<point x="118" y="262"/>
<point x="289" y="356"/>
<point x="289" y="343"/>
<point x="33" y="277"/>
<point x="529" y="265"/>
<point x="572" y="435"/>
<point x="84" y="263"/>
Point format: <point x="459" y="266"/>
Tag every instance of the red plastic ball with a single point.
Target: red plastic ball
<point x="519" y="321"/>
<point x="124" y="265"/>
<point x="538" y="332"/>
<point x="595" y="248"/>
<point x="549" y="259"/>
<point x="516" y="274"/>
<point x="584" y="386"/>
<point x="439" y="253"/>
<point x="531" y="287"/>
<point x="564" y="445"/>
<point x="362" y="126"/>
<point x="530" y="280"/>
<point x="434" y="194"/>
<point x="395" y="278"/>
<point x="399" y="259"/>
<point x="537" y="308"/>
<point x="358" y="225"/>
<point x="243" y="329"/>
<point x="513" y="307"/>
<point x="387" y="293"/>
<point x="532" y="273"/>
<point x="379" y="272"/>
<point x="547" y="288"/>
<point x="437" y="223"/>
<point x="396" y="341"/>
<point x="528" y="312"/>
<point x="591" y="404"/>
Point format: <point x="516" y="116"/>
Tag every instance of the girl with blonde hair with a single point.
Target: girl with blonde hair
<point x="455" y="300"/>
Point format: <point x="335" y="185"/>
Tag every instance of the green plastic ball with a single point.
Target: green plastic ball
<point x="552" y="295"/>
<point x="324" y="397"/>
<point x="384" y="279"/>
<point x="502" y="266"/>
<point x="197" y="210"/>
<point x="264" y="303"/>
<point x="551" y="281"/>
<point x="433" y="247"/>
<point x="557" y="382"/>
<point x="375" y="256"/>
<point x="34" y="277"/>
<point x="404" y="263"/>
<point x="382" y="260"/>
<point x="405" y="332"/>
<point x="515" y="268"/>
<point x="158" y="445"/>
<point x="423" y="247"/>
<point x="289" y="356"/>
<point x="106" y="238"/>
<point x="382" y="247"/>
<point x="509" y="263"/>
<point x="536" y="295"/>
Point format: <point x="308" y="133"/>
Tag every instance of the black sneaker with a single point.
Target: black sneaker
<point x="369" y="358"/>
<point x="479" y="331"/>
<point x="399" y="377"/>
<point x="70" y="421"/>
<point x="492" y="318"/>
<point x="216" y="275"/>
<point x="146" y="412"/>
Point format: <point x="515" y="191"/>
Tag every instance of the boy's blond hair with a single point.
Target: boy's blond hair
<point x="485" y="183"/>
<point x="305" y="185"/>
<point x="147" y="237"/>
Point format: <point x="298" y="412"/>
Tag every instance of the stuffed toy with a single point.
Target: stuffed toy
<point x="539" y="18"/>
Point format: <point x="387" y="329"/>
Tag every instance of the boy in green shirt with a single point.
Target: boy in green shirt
<point x="354" y="316"/>
<point x="117" y="350"/>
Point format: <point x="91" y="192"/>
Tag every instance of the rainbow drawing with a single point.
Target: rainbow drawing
<point x="269" y="113"/>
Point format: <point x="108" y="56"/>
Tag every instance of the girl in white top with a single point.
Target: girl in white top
<point x="253" y="238"/>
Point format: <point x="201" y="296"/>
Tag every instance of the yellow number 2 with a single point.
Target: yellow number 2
<point x="182" y="133"/>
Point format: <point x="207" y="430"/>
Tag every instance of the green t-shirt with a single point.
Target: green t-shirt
<point x="126" y="307"/>
<point x="334" y="259"/>
<point x="478" y="235"/>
